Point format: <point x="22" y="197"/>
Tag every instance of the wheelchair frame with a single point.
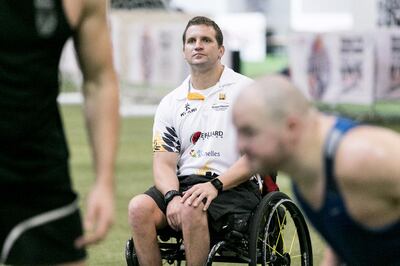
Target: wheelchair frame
<point x="261" y="244"/>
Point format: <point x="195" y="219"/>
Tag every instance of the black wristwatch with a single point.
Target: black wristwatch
<point x="217" y="184"/>
<point x="170" y="195"/>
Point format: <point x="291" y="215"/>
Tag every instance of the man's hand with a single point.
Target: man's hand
<point x="173" y="213"/>
<point x="196" y="194"/>
<point x="99" y="216"/>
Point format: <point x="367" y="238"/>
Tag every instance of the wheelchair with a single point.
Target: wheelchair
<point x="275" y="233"/>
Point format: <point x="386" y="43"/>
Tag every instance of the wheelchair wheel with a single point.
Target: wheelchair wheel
<point x="130" y="254"/>
<point x="278" y="233"/>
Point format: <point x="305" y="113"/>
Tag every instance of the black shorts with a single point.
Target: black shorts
<point x="241" y="199"/>
<point x="39" y="228"/>
<point x="39" y="216"/>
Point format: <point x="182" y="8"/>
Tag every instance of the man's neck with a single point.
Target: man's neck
<point x="306" y="162"/>
<point x="205" y="78"/>
<point x="307" y="165"/>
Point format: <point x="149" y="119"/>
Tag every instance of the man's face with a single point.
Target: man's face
<point x="201" y="46"/>
<point x="258" y="138"/>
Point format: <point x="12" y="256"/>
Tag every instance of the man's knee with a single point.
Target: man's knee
<point x="193" y="216"/>
<point x="140" y="210"/>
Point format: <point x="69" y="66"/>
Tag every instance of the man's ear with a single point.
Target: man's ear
<point x="293" y="127"/>
<point x="291" y="123"/>
<point x="221" y="51"/>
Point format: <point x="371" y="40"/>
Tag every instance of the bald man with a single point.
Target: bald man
<point x="346" y="176"/>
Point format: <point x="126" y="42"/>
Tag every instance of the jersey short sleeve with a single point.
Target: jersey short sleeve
<point x="165" y="137"/>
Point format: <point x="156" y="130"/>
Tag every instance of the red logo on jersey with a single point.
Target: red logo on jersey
<point x="195" y="137"/>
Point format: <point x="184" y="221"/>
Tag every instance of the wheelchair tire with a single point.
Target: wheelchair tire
<point x="130" y="254"/>
<point x="276" y="217"/>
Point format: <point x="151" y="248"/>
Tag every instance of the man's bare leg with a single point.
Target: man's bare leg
<point x="145" y="217"/>
<point x="195" y="234"/>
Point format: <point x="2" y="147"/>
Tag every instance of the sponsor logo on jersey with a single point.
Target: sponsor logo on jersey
<point x="188" y="110"/>
<point x="221" y="106"/>
<point x="206" y="135"/>
<point x="166" y="141"/>
<point x="200" y="153"/>
<point x="195" y="137"/>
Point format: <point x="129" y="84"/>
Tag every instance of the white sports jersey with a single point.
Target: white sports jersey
<point x="201" y="131"/>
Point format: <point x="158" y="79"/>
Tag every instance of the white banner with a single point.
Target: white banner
<point x="147" y="50"/>
<point x="388" y="64"/>
<point x="388" y="13"/>
<point x="333" y="67"/>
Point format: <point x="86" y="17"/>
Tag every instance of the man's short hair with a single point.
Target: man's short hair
<point x="200" y="20"/>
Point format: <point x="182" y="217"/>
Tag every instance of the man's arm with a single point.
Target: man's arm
<point x="100" y="88"/>
<point x="238" y="173"/>
<point x="367" y="169"/>
<point x="165" y="179"/>
<point x="369" y="156"/>
<point x="164" y="171"/>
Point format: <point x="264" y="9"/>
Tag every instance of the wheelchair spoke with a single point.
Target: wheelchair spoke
<point x="291" y="245"/>
<point x="274" y="250"/>
<point x="281" y="226"/>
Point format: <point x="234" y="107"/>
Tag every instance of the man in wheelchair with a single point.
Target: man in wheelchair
<point x="199" y="174"/>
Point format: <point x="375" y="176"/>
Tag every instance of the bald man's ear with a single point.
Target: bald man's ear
<point x="293" y="127"/>
<point x="291" y="123"/>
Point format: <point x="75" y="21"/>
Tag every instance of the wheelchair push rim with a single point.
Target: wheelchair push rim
<point x="279" y="234"/>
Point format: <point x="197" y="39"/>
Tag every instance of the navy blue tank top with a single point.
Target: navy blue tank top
<point x="352" y="242"/>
